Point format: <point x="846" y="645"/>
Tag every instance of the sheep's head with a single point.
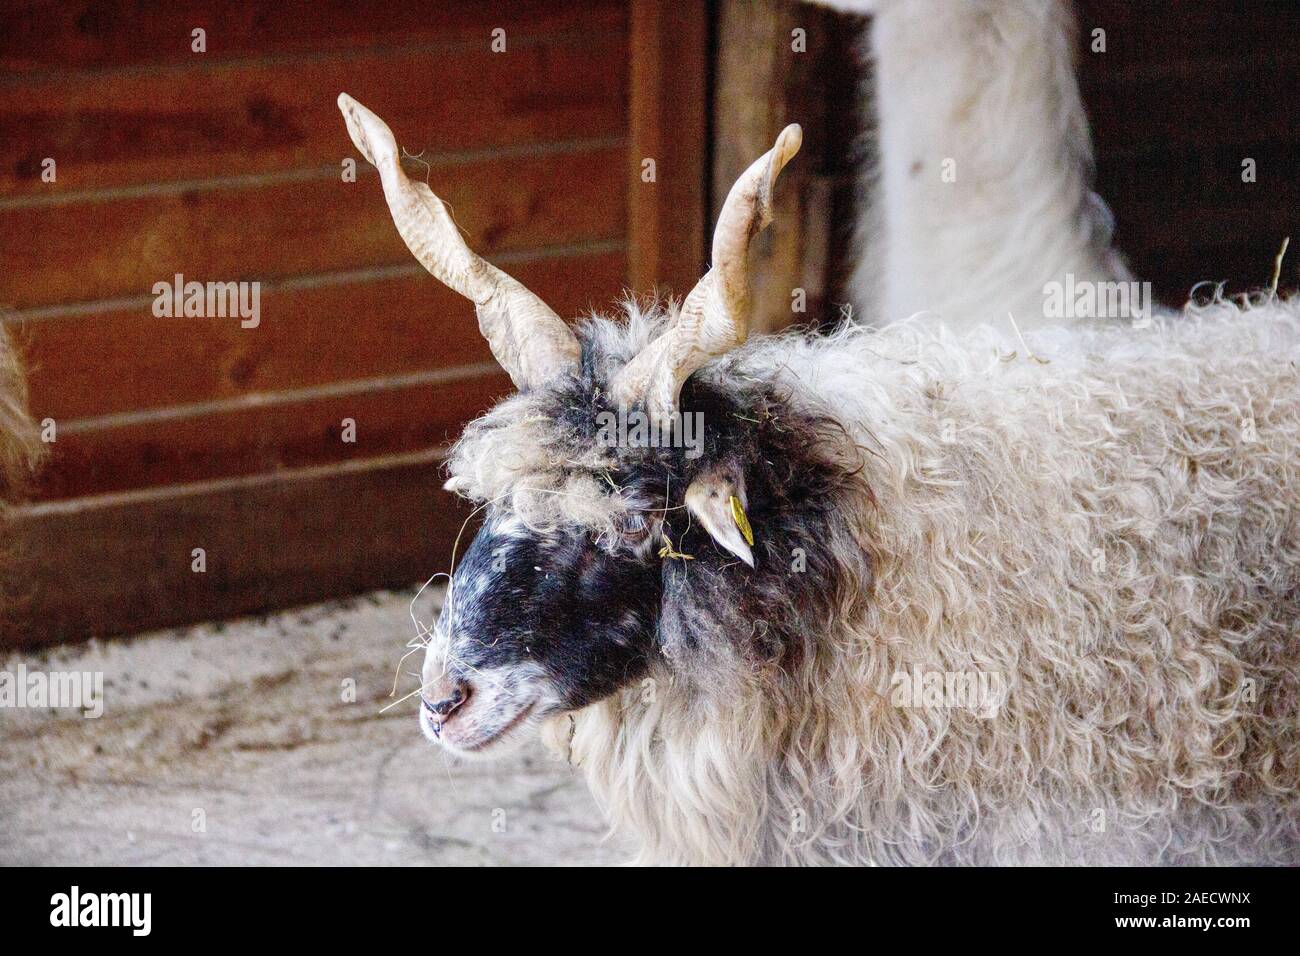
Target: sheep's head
<point x="618" y="486"/>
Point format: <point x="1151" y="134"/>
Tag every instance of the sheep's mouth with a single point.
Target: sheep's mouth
<point x="464" y="733"/>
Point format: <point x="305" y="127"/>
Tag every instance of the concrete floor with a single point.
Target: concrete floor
<point x="231" y="743"/>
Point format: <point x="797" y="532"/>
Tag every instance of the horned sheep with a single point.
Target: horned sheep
<point x="927" y="595"/>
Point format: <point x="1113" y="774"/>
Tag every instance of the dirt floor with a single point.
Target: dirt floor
<point x="233" y="744"/>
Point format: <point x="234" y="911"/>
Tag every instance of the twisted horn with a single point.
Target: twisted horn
<point x="530" y="341"/>
<point x="714" y="317"/>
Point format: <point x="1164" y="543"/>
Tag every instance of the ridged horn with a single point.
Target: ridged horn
<point x="530" y="341"/>
<point x="714" y="317"/>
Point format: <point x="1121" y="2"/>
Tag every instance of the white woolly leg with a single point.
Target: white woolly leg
<point x="981" y="196"/>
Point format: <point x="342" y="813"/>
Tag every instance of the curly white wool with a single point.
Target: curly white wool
<point x="1106" y="517"/>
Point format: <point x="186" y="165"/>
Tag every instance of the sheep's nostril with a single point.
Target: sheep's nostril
<point x="453" y="698"/>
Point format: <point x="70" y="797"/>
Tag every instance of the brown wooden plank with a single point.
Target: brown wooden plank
<point x="98" y="567"/>
<point x="667" y="123"/>
<point x="308" y="336"/>
<point x="72" y="34"/>
<point x="86" y="251"/>
<point x="97" y="456"/>
<point x="253" y="117"/>
<point x="762" y="83"/>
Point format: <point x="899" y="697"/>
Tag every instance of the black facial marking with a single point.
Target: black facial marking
<point x="584" y="615"/>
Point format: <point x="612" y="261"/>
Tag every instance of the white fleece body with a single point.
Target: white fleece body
<point x="1108" y="520"/>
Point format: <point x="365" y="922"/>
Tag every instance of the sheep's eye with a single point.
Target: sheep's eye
<point x="633" y="527"/>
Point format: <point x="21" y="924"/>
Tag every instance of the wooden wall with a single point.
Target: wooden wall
<point x="175" y="434"/>
<point x="226" y="165"/>
<point x="1183" y="93"/>
<point x="778" y="62"/>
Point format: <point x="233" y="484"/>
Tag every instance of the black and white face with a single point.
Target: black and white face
<point x="538" y="623"/>
<point x="541" y="623"/>
<point x="534" y="625"/>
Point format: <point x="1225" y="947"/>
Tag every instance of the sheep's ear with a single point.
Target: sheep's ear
<point x="717" y="501"/>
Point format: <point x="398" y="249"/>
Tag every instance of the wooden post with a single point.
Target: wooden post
<point x="780" y="62"/>
<point x="667" y="152"/>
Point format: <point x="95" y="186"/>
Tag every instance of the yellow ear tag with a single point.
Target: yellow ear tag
<point x="742" y="522"/>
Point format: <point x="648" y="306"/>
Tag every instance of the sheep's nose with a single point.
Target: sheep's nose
<point x="444" y="695"/>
